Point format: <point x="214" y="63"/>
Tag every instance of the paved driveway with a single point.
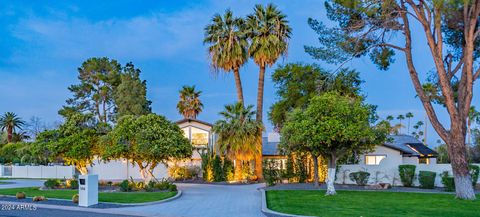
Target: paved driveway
<point x="21" y="183"/>
<point x="201" y="200"/>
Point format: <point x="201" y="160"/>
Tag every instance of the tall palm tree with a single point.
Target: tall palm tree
<point x="400" y="118"/>
<point x="227" y="46"/>
<point x="9" y="122"/>
<point x="269" y="33"/>
<point x="189" y="104"/>
<point x="409" y="116"/>
<point x="238" y="134"/>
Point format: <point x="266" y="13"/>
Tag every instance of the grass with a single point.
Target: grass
<point x="117" y="197"/>
<point x="368" y="203"/>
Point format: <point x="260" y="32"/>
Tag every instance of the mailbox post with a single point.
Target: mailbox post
<point x="87" y="190"/>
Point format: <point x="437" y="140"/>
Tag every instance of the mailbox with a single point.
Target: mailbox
<point x="88" y="190"/>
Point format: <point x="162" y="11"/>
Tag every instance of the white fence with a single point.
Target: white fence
<point x="42" y="172"/>
<point x="385" y="173"/>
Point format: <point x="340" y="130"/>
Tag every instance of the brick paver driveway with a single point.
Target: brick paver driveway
<point x="202" y="200"/>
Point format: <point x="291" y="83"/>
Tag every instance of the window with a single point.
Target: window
<point x="199" y="137"/>
<point x="423" y="160"/>
<point x="374" y="159"/>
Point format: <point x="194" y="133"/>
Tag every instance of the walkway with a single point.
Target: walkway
<point x="200" y="200"/>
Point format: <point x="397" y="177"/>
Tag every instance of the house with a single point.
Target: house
<point x="400" y="149"/>
<point x="200" y="135"/>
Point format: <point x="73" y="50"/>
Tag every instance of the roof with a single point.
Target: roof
<point x="193" y="120"/>
<point x="269" y="148"/>
<point x="409" y="145"/>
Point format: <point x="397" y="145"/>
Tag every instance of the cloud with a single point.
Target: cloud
<point x="152" y="36"/>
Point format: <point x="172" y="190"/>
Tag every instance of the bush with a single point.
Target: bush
<point x="52" y="183"/>
<point x="75" y="198"/>
<point x="407" y="174"/>
<point x="39" y="198"/>
<point x="150" y="186"/>
<point x="172" y="187"/>
<point x="474" y="172"/>
<point x="448" y="181"/>
<point x="73" y="184"/>
<point x="125" y="186"/>
<point x="360" y="177"/>
<point x="228" y="170"/>
<point x="271" y="173"/>
<point x="183" y="172"/>
<point x="20" y="195"/>
<point x="217" y="169"/>
<point x="427" y="179"/>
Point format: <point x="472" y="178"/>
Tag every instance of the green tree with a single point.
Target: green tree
<point x="147" y="141"/>
<point x="451" y="31"/>
<point x="237" y="135"/>
<point x="98" y="79"/>
<point x="189" y="104"/>
<point x="331" y="126"/>
<point x="9" y="122"/>
<point x="130" y="97"/>
<point x="269" y="32"/>
<point x="75" y="141"/>
<point x="409" y="116"/>
<point x="227" y="46"/>
<point x="297" y="83"/>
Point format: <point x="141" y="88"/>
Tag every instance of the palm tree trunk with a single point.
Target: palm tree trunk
<point x="238" y="170"/>
<point x="261" y="84"/>
<point x="9" y="134"/>
<point x="238" y="84"/>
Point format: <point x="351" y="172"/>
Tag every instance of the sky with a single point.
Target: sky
<point x="43" y="43"/>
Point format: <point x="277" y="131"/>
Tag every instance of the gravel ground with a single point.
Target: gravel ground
<point x="28" y="200"/>
<point x="309" y="186"/>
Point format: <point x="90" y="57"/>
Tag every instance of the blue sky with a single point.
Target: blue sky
<point x="43" y="43"/>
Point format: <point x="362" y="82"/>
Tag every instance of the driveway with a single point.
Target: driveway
<point x="21" y="183"/>
<point x="202" y="200"/>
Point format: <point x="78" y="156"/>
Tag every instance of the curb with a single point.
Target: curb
<point x="179" y="193"/>
<point x="270" y="213"/>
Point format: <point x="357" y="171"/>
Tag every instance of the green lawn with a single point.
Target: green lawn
<point x="367" y="203"/>
<point x="117" y="197"/>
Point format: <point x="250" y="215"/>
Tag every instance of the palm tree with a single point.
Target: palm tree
<point x="227" y="46"/>
<point x="400" y="118"/>
<point x="9" y="122"/>
<point x="269" y="32"/>
<point x="238" y="135"/>
<point x="409" y="116"/>
<point x="189" y="104"/>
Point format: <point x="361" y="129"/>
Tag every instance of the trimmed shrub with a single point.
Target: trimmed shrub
<point x="427" y="179"/>
<point x="448" y="181"/>
<point x="125" y="186"/>
<point x="228" y="170"/>
<point x="217" y="169"/>
<point x="75" y="198"/>
<point x="474" y="172"/>
<point x="407" y="174"/>
<point x="20" y="195"/>
<point x="360" y="177"/>
<point x="39" y="198"/>
<point x="150" y="186"/>
<point x="52" y="183"/>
